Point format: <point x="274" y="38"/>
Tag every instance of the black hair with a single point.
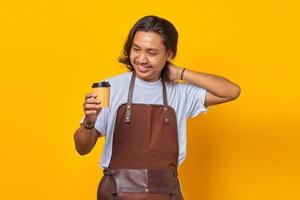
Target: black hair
<point x="157" y="25"/>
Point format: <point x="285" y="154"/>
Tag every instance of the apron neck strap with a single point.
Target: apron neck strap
<point x="129" y="100"/>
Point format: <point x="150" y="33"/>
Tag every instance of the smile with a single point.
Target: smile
<point x="143" y="68"/>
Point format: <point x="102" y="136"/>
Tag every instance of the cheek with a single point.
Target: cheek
<point x="159" y="63"/>
<point x="156" y="62"/>
<point x="131" y="57"/>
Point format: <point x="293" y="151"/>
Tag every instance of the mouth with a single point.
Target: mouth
<point x="143" y="69"/>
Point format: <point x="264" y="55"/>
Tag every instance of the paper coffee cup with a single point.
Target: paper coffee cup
<point x="102" y="90"/>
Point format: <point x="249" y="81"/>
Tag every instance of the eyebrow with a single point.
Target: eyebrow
<point x="151" y="49"/>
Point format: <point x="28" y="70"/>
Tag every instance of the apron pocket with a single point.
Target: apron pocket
<point x="140" y="194"/>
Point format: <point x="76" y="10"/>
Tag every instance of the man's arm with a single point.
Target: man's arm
<point x="85" y="139"/>
<point x="219" y="89"/>
<point x="86" y="135"/>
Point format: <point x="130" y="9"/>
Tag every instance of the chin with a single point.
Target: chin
<point x="143" y="76"/>
<point x="146" y="76"/>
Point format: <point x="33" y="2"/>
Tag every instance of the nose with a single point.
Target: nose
<point x="142" y="59"/>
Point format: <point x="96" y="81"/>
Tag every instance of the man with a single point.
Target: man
<point x="145" y="125"/>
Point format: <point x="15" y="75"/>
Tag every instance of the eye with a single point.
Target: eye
<point x="152" y="53"/>
<point x="135" y="49"/>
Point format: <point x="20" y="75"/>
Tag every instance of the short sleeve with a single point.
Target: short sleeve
<point x="101" y="122"/>
<point x="195" y="99"/>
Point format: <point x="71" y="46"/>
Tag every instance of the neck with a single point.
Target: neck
<point x="148" y="79"/>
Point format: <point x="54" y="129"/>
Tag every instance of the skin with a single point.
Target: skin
<point x="148" y="56"/>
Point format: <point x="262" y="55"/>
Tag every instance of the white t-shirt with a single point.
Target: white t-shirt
<point x="186" y="99"/>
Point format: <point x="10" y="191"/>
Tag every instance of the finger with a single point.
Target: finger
<point x="90" y="95"/>
<point x="89" y="112"/>
<point x="91" y="107"/>
<point x="92" y="100"/>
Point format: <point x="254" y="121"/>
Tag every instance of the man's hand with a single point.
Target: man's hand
<point x="174" y="72"/>
<point x="91" y="108"/>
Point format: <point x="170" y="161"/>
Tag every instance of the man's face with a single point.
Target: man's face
<point x="148" y="55"/>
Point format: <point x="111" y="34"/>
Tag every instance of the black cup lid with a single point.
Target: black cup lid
<point x="101" y="84"/>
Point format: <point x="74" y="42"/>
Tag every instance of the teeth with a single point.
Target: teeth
<point x="143" y="69"/>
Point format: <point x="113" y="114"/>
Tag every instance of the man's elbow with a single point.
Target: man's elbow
<point x="236" y="91"/>
<point x="81" y="151"/>
<point x="81" y="147"/>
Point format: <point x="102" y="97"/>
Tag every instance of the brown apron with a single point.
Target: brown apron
<point x="144" y="158"/>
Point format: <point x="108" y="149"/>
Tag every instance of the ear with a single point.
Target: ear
<point x="169" y="55"/>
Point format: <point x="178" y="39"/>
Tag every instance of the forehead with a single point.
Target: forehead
<point x="148" y="40"/>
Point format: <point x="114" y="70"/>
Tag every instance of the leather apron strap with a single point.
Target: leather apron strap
<point x="129" y="101"/>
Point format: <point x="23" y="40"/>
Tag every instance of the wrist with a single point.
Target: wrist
<point x="178" y="73"/>
<point x="182" y="73"/>
<point x="88" y="125"/>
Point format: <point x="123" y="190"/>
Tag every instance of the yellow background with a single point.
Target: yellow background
<point x="52" y="50"/>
